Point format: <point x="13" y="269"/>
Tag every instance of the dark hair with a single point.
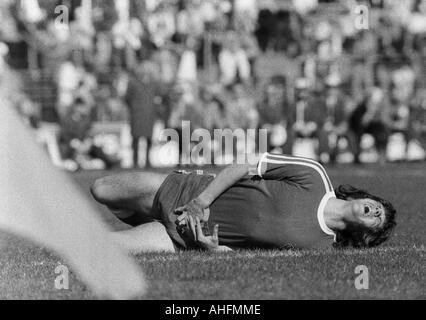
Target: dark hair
<point x="359" y="236"/>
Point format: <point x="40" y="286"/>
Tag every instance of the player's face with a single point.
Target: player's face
<point x="369" y="213"/>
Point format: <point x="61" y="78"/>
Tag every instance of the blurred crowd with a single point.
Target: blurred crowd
<point x="328" y="72"/>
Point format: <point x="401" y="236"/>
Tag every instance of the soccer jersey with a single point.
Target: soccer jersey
<point x="280" y="207"/>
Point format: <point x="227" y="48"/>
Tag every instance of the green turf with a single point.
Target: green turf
<point x="397" y="269"/>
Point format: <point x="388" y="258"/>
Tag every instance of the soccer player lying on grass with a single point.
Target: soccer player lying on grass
<point x="283" y="202"/>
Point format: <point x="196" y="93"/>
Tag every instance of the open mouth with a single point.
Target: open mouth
<point x="370" y="210"/>
<point x="367" y="210"/>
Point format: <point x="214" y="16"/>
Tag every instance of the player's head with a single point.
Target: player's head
<point x="371" y="219"/>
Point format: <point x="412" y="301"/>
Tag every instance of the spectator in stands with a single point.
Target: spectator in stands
<point x="418" y="117"/>
<point x="336" y="123"/>
<point x="161" y="24"/>
<point x="12" y="93"/>
<point x="241" y="114"/>
<point x="187" y="70"/>
<point x="245" y="32"/>
<point x="371" y="116"/>
<point x="233" y="61"/>
<point x="189" y="20"/>
<point x="392" y="39"/>
<point x="362" y="61"/>
<point x="30" y="112"/>
<point x="110" y="106"/>
<point x="213" y="108"/>
<point x="82" y="35"/>
<point x="403" y="83"/>
<point x="142" y="97"/>
<point x="399" y="120"/>
<point x="75" y="125"/>
<point x="68" y="78"/>
<point x="168" y="62"/>
<point x="241" y="108"/>
<point x="185" y="107"/>
<point x="75" y="141"/>
<point x="214" y="114"/>
<point x="275" y="115"/>
<point x="419" y="59"/>
<point x="10" y="86"/>
<point x="87" y="85"/>
<point x="309" y="115"/>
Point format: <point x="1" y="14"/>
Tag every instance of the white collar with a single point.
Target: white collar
<point x="320" y="214"/>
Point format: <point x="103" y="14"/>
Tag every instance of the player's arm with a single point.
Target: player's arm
<point x="224" y="180"/>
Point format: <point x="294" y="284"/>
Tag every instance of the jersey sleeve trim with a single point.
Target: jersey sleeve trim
<point x="320" y="214"/>
<point x="261" y="163"/>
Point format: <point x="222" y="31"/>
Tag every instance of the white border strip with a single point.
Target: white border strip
<point x="259" y="166"/>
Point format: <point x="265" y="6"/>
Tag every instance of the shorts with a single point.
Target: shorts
<point x="179" y="188"/>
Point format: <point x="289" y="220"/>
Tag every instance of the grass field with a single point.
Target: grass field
<point x="397" y="269"/>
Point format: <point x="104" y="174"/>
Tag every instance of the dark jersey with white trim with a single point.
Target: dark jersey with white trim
<point x="281" y="207"/>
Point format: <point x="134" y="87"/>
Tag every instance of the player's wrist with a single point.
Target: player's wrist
<point x="202" y="201"/>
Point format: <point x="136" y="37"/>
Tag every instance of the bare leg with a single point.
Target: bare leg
<point x="129" y="195"/>
<point x="150" y="237"/>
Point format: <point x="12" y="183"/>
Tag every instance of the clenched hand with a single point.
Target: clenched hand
<point x="194" y="209"/>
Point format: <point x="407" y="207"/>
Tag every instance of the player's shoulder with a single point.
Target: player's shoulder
<point x="289" y="159"/>
<point x="301" y="166"/>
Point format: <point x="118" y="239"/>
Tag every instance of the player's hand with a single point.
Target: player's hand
<point x="182" y="223"/>
<point x="209" y="243"/>
<point x="194" y="209"/>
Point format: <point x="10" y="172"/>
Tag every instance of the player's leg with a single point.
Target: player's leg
<point x="380" y="133"/>
<point x="135" y="148"/>
<point x="129" y="196"/>
<point x="150" y="237"/>
<point x="324" y="149"/>
<point x="418" y="134"/>
<point x="354" y="141"/>
<point x="421" y="138"/>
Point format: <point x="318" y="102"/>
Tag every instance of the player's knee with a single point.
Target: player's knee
<point x="100" y="190"/>
<point x="163" y="241"/>
<point x="159" y="228"/>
